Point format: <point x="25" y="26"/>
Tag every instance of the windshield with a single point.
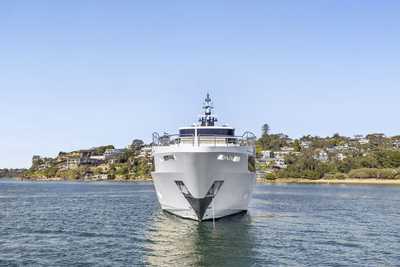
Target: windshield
<point x="207" y="131"/>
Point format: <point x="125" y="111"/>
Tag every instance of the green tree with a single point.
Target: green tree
<point x="265" y="129"/>
<point x="271" y="142"/>
<point x="137" y="144"/>
<point x="297" y="145"/>
<point x="51" y="172"/>
<point x="122" y="170"/>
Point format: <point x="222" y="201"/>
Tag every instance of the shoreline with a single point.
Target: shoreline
<point x="58" y="179"/>
<point x="350" y="181"/>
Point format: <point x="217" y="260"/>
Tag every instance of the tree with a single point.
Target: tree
<point x="122" y="170"/>
<point x="98" y="170"/>
<point x="112" y="171"/>
<point x="51" y="172"/>
<point x="265" y="129"/>
<point x="137" y="144"/>
<point x="297" y="145"/>
<point x="271" y="142"/>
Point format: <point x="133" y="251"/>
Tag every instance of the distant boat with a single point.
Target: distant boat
<point x="205" y="171"/>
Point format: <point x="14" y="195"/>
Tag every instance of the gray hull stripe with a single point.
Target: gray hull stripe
<point x="200" y="205"/>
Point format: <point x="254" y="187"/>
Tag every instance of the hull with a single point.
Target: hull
<point x="202" y="184"/>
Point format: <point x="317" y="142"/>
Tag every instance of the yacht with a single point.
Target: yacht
<point x="205" y="171"/>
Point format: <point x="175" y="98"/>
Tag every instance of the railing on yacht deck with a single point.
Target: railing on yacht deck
<point x="247" y="139"/>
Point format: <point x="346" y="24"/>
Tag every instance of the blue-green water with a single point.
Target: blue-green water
<point x="120" y="224"/>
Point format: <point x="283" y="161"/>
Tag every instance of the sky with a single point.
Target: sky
<point x="78" y="74"/>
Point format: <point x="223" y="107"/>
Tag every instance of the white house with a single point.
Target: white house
<point x="100" y="157"/>
<point x="305" y="144"/>
<point x="363" y="141"/>
<point x="344" y="147"/>
<point x="396" y="144"/>
<point x="321" y="156"/>
<point x="266" y="155"/>
<point x="113" y="153"/>
<point x="145" y="152"/>
<point x="280" y="164"/>
<point x="340" y="156"/>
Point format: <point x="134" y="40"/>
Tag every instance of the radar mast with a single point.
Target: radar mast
<point x="207" y="119"/>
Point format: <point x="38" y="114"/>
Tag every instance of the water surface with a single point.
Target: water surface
<point x="120" y="224"/>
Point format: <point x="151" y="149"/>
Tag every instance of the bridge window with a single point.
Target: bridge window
<point x="186" y="132"/>
<point x="168" y="157"/>
<point x="207" y="132"/>
<point x="210" y="131"/>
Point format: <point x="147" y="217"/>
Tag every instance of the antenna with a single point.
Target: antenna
<point x="207" y="119"/>
<point x="208" y="99"/>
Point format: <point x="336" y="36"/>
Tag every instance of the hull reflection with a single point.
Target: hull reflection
<point x="189" y="243"/>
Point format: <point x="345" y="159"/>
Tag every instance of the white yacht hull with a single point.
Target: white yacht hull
<point x="184" y="182"/>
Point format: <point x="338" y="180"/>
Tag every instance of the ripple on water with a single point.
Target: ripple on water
<point x="77" y="224"/>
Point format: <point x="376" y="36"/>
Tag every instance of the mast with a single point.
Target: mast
<point x="207" y="119"/>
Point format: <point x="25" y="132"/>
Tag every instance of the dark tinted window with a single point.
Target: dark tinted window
<point x="229" y="132"/>
<point x="186" y="132"/>
<point x="207" y="131"/>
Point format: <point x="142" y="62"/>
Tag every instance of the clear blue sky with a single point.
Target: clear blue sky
<point x="77" y="74"/>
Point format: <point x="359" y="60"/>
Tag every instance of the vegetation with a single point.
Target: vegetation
<point x="305" y="166"/>
<point x="372" y="156"/>
<point x="11" y="172"/>
<point x="387" y="173"/>
<point x="126" y="164"/>
<point x="308" y="157"/>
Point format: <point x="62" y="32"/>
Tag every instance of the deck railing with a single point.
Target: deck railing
<point x="247" y="139"/>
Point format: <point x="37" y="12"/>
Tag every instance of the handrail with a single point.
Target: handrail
<point x="156" y="138"/>
<point x="247" y="139"/>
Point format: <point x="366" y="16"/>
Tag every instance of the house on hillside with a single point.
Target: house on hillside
<point x="283" y="154"/>
<point x="145" y="152"/>
<point x="331" y="150"/>
<point x="114" y="155"/>
<point x="306" y="144"/>
<point x="361" y="139"/>
<point x="36" y="160"/>
<point x="41" y="163"/>
<point x="376" y="138"/>
<point x="396" y="144"/>
<point x="266" y="155"/>
<point x="343" y="148"/>
<point x="279" y="164"/>
<point x="340" y="156"/>
<point x="72" y="163"/>
<point x="358" y="136"/>
<point x="99" y="158"/>
<point x="321" y="155"/>
<point x="287" y="149"/>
